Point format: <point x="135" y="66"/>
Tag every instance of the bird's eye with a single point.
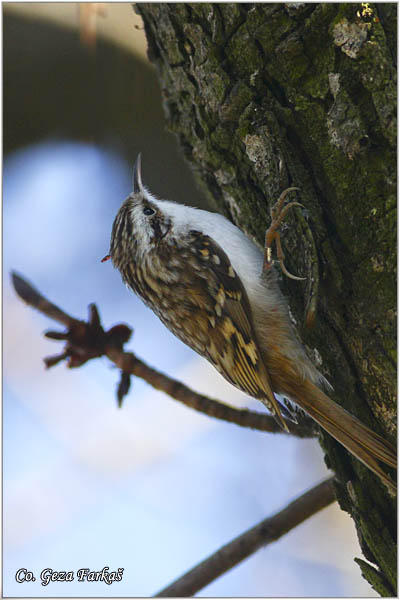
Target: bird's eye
<point x="148" y="211"/>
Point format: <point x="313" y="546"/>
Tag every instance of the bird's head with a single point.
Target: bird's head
<point x="140" y="225"/>
<point x="146" y="226"/>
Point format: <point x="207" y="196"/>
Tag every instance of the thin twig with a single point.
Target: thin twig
<point x="266" y="532"/>
<point x="85" y="341"/>
<point x="129" y="363"/>
<point x="31" y="296"/>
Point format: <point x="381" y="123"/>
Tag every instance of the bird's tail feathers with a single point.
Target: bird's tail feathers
<point x="357" y="438"/>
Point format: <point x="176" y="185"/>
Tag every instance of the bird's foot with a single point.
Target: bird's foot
<point x="278" y="214"/>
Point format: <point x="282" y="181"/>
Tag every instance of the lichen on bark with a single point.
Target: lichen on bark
<point x="262" y="96"/>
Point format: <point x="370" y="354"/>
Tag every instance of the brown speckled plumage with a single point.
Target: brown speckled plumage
<point x="162" y="279"/>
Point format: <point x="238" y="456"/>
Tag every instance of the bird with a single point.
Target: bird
<point x="218" y="293"/>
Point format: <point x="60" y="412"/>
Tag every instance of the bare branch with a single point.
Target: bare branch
<point x="129" y="363"/>
<point x="85" y="341"/>
<point x="35" y="299"/>
<point x="266" y="532"/>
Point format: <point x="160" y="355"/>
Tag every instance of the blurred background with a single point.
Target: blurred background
<point x="154" y="487"/>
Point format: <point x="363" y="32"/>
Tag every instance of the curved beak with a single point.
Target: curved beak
<point x="137" y="185"/>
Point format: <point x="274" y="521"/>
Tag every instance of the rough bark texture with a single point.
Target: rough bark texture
<point x="262" y="96"/>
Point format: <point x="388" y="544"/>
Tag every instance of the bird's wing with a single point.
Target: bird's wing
<point x="232" y="347"/>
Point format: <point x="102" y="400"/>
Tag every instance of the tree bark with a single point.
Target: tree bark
<point x="263" y="96"/>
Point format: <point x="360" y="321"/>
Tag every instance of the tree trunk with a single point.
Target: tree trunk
<point x="263" y="96"/>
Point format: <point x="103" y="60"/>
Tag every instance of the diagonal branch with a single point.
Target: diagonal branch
<point x="88" y="340"/>
<point x="266" y="532"/>
<point x="129" y="363"/>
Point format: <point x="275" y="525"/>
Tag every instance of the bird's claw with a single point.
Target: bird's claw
<point x="278" y="214"/>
